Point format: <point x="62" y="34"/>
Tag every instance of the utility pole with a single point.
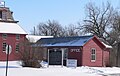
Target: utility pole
<point x="34" y="31"/>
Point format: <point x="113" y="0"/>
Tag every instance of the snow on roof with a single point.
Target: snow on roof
<point x="12" y="28"/>
<point x="34" y="38"/>
<point x="107" y="46"/>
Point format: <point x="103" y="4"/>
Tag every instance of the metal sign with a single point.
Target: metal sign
<point x="8" y="49"/>
<point x="72" y="63"/>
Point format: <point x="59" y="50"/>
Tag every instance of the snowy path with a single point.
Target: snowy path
<point x="16" y="70"/>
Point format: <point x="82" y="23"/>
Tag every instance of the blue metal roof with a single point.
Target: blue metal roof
<point x="64" y="41"/>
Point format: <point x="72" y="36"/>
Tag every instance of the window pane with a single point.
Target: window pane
<point x="93" y="54"/>
<point x="93" y="51"/>
<point x="4" y="46"/>
<point x="4" y="36"/>
<point x="17" y="37"/>
<point x="93" y="57"/>
<point x="65" y="53"/>
<point x="17" y="47"/>
<point x="0" y="14"/>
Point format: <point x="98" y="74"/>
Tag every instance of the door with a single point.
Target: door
<point x="55" y="57"/>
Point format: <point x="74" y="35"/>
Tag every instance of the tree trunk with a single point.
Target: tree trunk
<point x="118" y="55"/>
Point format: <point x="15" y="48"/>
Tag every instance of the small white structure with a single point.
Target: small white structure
<point x="35" y="38"/>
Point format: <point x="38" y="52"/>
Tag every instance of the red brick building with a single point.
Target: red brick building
<point x="87" y="50"/>
<point x="10" y="33"/>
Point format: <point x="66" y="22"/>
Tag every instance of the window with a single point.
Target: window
<point x="4" y="36"/>
<point x="65" y="55"/>
<point x="93" y="54"/>
<point x="1" y="14"/>
<point x="17" y="47"/>
<point x="17" y="37"/>
<point x="4" y="46"/>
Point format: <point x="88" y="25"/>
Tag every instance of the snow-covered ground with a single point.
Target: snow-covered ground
<point x="16" y="70"/>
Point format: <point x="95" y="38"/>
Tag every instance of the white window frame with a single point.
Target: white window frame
<point x="93" y="54"/>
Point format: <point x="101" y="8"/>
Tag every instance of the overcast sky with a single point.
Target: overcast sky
<point x="30" y="13"/>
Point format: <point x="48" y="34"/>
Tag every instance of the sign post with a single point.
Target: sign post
<point x="8" y="51"/>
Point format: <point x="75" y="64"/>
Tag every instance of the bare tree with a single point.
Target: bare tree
<point x="50" y="28"/>
<point x="53" y="28"/>
<point x="105" y="23"/>
<point x="115" y="37"/>
<point x="71" y="30"/>
<point x="98" y="20"/>
<point x="30" y="56"/>
<point x="115" y="33"/>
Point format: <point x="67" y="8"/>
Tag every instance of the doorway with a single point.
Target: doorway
<point x="55" y="57"/>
